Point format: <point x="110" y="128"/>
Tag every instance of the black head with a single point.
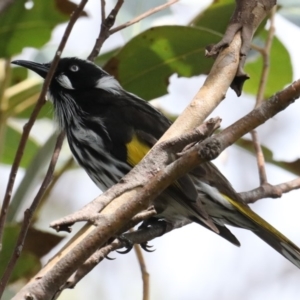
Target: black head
<point x="73" y="74"/>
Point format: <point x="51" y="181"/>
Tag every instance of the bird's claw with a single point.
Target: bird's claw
<point x="147" y="247"/>
<point x="127" y="244"/>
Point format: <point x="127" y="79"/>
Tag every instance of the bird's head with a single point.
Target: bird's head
<point x="76" y="89"/>
<point x="74" y="74"/>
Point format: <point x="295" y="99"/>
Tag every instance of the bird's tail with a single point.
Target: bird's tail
<point x="269" y="234"/>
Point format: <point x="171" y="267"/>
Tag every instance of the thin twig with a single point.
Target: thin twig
<point x="29" y="213"/>
<point x="143" y="16"/>
<point x="270" y="191"/>
<point x="27" y="127"/>
<point x="55" y="178"/>
<point x="109" y="21"/>
<point x="260" y="159"/>
<point x="106" y="24"/>
<point x="260" y="96"/>
<point x="102" y="11"/>
<point x="266" y="59"/>
<point x="5" y="4"/>
<point x="145" y="274"/>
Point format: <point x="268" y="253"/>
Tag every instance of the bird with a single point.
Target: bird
<point x="109" y="131"/>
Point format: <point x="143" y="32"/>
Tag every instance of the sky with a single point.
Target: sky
<point x="192" y="263"/>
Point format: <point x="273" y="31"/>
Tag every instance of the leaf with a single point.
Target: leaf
<point x="67" y="7"/>
<point x="293" y="167"/>
<point x="220" y="10"/>
<point x="18" y="74"/>
<point x="277" y="80"/>
<point x="12" y="138"/>
<point x="21" y="98"/>
<point x="21" y="27"/>
<point x="45" y="112"/>
<point x="40" y="242"/>
<point x="143" y="66"/>
<point x="36" y="245"/>
<point x="102" y="59"/>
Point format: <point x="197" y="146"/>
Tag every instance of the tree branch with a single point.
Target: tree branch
<point x="5" y="4"/>
<point x="270" y="191"/>
<point x="28" y="215"/>
<point x="107" y="23"/>
<point x="144" y="272"/>
<point x="142" y="16"/>
<point x="260" y="96"/>
<point x="27" y="127"/>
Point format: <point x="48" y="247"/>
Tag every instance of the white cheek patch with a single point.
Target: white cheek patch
<point x="109" y="84"/>
<point x="65" y="82"/>
<point x="49" y="96"/>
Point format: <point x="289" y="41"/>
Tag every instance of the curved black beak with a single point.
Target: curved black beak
<point x="41" y="69"/>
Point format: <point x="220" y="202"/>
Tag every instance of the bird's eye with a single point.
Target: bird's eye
<point x="74" y="68"/>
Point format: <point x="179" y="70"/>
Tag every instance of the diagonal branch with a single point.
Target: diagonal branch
<point x="142" y="16"/>
<point x="5" y="4"/>
<point x="27" y="127"/>
<point x="28" y="215"/>
<point x="19" y="154"/>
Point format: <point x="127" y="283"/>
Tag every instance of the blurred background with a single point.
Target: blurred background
<point x="191" y="262"/>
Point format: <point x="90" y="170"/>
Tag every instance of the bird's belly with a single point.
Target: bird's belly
<point x="171" y="211"/>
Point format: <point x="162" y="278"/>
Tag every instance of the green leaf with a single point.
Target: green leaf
<point x="12" y="138"/>
<point x="27" y="263"/>
<point x="221" y="11"/>
<point x="45" y="112"/>
<point x="102" y="59"/>
<point x="293" y="167"/>
<point x="277" y="79"/>
<point x="23" y="96"/>
<point x="67" y="7"/>
<point x="21" y="27"/>
<point x="144" y="65"/>
<point x="18" y="74"/>
<point x="37" y="244"/>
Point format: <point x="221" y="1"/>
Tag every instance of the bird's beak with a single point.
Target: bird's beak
<point x="41" y="69"/>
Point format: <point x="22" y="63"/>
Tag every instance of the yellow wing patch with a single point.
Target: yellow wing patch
<point x="136" y="150"/>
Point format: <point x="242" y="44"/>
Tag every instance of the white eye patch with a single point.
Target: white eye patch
<point x="65" y="82"/>
<point x="109" y="84"/>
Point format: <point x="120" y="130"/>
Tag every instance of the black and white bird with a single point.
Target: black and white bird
<point x="109" y="131"/>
